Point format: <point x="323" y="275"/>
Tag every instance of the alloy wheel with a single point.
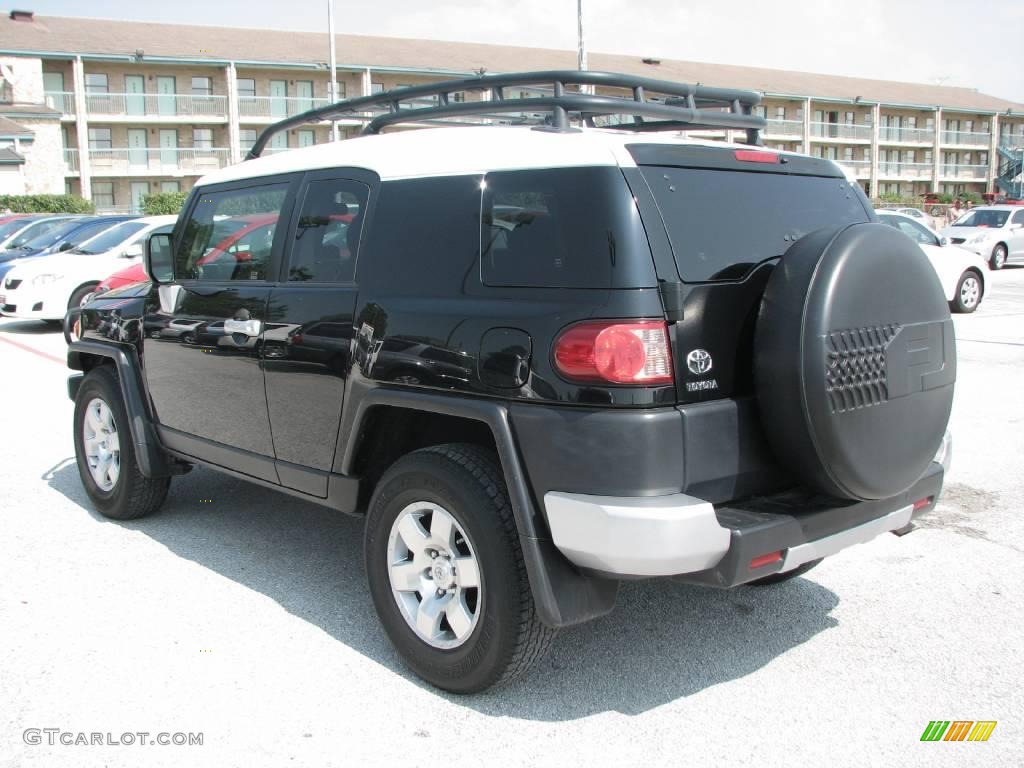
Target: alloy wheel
<point x="434" y="575"/>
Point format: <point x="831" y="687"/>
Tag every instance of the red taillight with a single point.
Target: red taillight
<point x="754" y="156"/>
<point x="635" y="352"/>
<point x="922" y="503"/>
<point x="763" y="560"/>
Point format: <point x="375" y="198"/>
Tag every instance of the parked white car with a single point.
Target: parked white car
<point x="918" y="215"/>
<point x="994" y="232"/>
<point x="45" y="288"/>
<point x="960" y="271"/>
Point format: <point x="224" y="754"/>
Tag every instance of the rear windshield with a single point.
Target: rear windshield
<point x="723" y="223"/>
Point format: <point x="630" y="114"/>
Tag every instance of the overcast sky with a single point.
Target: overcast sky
<point x="972" y="43"/>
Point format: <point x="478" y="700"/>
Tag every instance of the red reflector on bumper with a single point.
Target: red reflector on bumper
<point x="763" y="560"/>
<point x="922" y="503"/>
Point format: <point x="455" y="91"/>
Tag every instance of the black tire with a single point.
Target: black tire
<point x="132" y="495"/>
<point x="998" y="258"/>
<point x="80" y="293"/>
<point x="509" y="636"/>
<point x="781" y="578"/>
<point x="958" y="304"/>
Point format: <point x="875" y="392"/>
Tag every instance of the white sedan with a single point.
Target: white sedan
<point x="960" y="271"/>
<point x="46" y="288"/>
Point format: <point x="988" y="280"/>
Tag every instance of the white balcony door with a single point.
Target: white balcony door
<point x="304" y="92"/>
<point x="53" y="86"/>
<point x="137" y="154"/>
<point x="165" y="88"/>
<point x="134" y="100"/>
<point x="279" y="98"/>
<point x="139" y="190"/>
<point x="168" y="147"/>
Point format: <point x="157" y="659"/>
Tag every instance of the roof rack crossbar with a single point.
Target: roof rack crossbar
<point x="683" y="105"/>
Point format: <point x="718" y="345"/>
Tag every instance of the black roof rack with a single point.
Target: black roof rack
<point x="673" y="106"/>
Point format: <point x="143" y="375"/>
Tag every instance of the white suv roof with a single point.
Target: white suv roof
<point x="452" y="151"/>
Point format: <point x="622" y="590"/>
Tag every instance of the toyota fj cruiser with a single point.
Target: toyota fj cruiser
<point x="539" y="355"/>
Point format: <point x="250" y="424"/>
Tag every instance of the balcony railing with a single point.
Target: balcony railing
<point x="276" y="107"/>
<point x="891" y="169"/>
<point x="1012" y="141"/>
<point x="785" y="128"/>
<point x="62" y="101"/>
<point x="841" y="131"/>
<point x="859" y="167"/>
<point x="967" y="138"/>
<point x="155" y="105"/>
<point x="70" y="161"/>
<point x="149" y="162"/>
<point x="896" y="135"/>
<point x="964" y="172"/>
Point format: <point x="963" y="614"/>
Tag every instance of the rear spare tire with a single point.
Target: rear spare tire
<point x="855" y="361"/>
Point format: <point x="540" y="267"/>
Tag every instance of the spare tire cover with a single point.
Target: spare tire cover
<point x="855" y="361"/>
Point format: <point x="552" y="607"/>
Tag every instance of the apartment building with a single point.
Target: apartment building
<point x="113" y="110"/>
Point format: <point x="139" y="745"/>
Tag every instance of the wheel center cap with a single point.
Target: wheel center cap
<point x="443" y="573"/>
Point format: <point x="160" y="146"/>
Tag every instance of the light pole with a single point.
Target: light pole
<point x="333" y="89"/>
<point x="581" y="48"/>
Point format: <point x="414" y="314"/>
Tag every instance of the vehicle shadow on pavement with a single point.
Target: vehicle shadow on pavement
<point x="29" y="327"/>
<point x="664" y="640"/>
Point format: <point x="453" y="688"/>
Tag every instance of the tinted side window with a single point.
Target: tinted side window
<point x="559" y="228"/>
<point x="1018" y="217"/>
<point x="327" y="234"/>
<point x="230" y="234"/>
<point x="424" y="237"/>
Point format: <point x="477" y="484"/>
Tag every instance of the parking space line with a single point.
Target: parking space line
<point x="34" y="351"/>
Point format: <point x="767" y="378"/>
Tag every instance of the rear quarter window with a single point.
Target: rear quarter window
<point x="562" y="228"/>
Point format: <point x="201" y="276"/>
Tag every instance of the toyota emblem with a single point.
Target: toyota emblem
<point x="699" y="362"/>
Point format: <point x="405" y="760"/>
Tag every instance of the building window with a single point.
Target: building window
<point x="246" y="88"/>
<point x="170" y="186"/>
<point x="202" y="86"/>
<point x="850" y="118"/>
<point x="460" y="97"/>
<point x="760" y="110"/>
<point x="103" y="194"/>
<point x="376" y="88"/>
<point x="800" y="113"/>
<point x="928" y="157"/>
<point x="96" y="84"/>
<point x="869" y="118"/>
<point x="340" y="91"/>
<point x="306" y="138"/>
<point x="867" y="154"/>
<point x="848" y="153"/>
<point x="99" y="138"/>
<point x="202" y="138"/>
<point x="246" y="138"/>
<point x="780" y="113"/>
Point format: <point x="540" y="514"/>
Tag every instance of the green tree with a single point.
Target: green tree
<point x="161" y="203"/>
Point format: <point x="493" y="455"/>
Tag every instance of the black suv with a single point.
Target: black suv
<point x="539" y="355"/>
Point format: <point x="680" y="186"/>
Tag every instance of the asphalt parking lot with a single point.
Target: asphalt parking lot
<point x="242" y="614"/>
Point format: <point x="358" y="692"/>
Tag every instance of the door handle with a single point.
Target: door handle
<point x="244" y="327"/>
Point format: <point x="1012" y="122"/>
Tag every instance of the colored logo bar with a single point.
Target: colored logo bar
<point x="958" y="730"/>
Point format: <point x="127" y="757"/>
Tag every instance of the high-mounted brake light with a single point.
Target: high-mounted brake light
<point x="754" y="156"/>
<point x="615" y="352"/>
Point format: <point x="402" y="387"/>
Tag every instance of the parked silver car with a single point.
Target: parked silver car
<point x="994" y="232"/>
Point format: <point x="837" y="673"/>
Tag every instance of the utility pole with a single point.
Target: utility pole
<point x="333" y="89"/>
<point x="581" y="48"/>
